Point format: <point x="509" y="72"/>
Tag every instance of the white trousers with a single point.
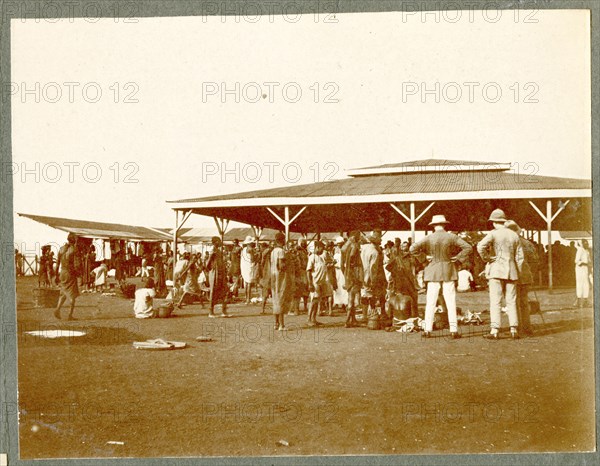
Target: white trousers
<point x="582" y="281"/>
<point x="506" y="289"/>
<point x="449" y="292"/>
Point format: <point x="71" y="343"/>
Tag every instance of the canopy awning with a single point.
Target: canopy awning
<point x="88" y="229"/>
<point x="575" y="235"/>
<point x="405" y="196"/>
<point x="365" y="202"/>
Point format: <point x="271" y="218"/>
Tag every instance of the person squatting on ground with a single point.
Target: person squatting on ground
<point x="583" y="264"/>
<point x="530" y="260"/>
<point x="403" y="295"/>
<point x="352" y="268"/>
<point x="143" y="306"/>
<point x="502" y="250"/>
<point x="67" y="266"/>
<point x="100" y="274"/>
<point x="465" y="282"/>
<point x="282" y="281"/>
<point x="444" y="250"/>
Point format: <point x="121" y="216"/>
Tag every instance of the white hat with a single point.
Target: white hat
<point x="248" y="240"/>
<point x="339" y="240"/>
<point x="438" y="220"/>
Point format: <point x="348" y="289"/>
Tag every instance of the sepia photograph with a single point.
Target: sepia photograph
<point x="296" y="231"/>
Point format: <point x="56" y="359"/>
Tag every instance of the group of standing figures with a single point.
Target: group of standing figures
<point x="362" y="276"/>
<point x="385" y="284"/>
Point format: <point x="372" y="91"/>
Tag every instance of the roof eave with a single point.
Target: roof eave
<point x="382" y="198"/>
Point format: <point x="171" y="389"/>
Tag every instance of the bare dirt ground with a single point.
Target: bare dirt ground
<point x="331" y="391"/>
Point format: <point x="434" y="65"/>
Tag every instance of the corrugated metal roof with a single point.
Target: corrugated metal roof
<point x="415" y="183"/>
<point x="267" y="234"/>
<point x="103" y="230"/>
<point x="430" y="163"/>
<point x="573" y="235"/>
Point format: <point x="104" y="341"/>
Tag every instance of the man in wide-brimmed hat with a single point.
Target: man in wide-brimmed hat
<point x="444" y="249"/>
<point x="502" y="250"/>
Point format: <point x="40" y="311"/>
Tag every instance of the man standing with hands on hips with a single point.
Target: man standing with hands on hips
<point x="502" y="251"/>
<point x="444" y="249"/>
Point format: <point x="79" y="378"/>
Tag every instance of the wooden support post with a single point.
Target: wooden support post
<point x="549" y="218"/>
<point x="286" y="214"/>
<point x="549" y="229"/>
<point x="286" y="221"/>
<point x="413" y="218"/>
<point x="175" y="244"/>
<point x="222" y="225"/>
<point x="178" y="226"/>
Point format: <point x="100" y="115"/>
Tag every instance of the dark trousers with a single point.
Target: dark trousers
<point x="523" y="307"/>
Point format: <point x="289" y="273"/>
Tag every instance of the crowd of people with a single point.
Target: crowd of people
<point x="369" y="281"/>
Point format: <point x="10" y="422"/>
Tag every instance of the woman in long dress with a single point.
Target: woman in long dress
<point x="583" y="261"/>
<point x="249" y="263"/>
<point x="282" y="281"/>
<point x="340" y="294"/>
<point x="67" y="264"/>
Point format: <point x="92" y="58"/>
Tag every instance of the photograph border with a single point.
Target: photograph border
<point x="157" y="8"/>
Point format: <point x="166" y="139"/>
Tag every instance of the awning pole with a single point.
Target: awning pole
<point x="549" y="229"/>
<point x="286" y="221"/>
<point x="413" y="219"/>
<point x="286" y="212"/>
<point x="175" y="243"/>
<point x="222" y="225"/>
<point x="257" y="232"/>
<point x="549" y="218"/>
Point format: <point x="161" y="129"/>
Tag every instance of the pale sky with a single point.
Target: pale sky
<point x="376" y="65"/>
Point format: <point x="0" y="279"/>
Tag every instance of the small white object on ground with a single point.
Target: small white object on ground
<point x="56" y="333"/>
<point x="204" y="338"/>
